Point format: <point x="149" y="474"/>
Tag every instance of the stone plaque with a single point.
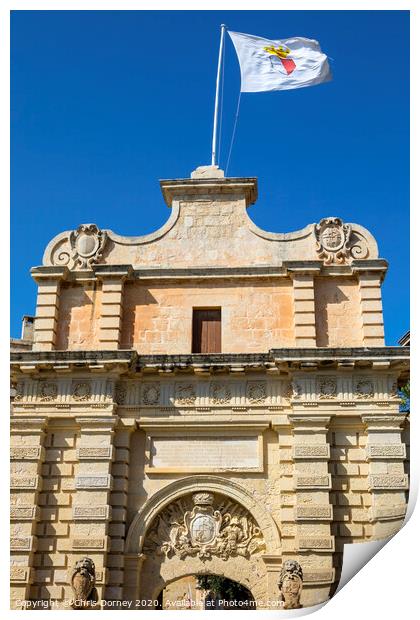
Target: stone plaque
<point x="205" y="453"/>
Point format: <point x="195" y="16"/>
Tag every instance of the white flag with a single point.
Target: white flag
<point x="280" y="64"/>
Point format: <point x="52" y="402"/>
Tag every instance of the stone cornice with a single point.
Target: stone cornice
<point x="276" y="360"/>
<point x="180" y="188"/>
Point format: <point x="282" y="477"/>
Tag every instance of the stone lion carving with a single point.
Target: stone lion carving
<point x="290" y="584"/>
<point x="203" y="531"/>
<point x="83" y="579"/>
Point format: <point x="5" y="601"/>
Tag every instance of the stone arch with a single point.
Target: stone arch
<point x="190" y="484"/>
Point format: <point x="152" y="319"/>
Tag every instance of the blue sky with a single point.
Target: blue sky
<point x="106" y="103"/>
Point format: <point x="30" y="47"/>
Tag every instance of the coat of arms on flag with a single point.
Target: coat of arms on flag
<point x="279" y="65"/>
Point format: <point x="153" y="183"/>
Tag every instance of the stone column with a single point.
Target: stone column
<point x="133" y="563"/>
<point x="371" y="308"/>
<point x="304" y="304"/>
<point x="49" y="280"/>
<point x="27" y="455"/>
<point x="92" y="510"/>
<point x="313" y="516"/>
<point x="117" y="527"/>
<point x="388" y="483"/>
<point x="113" y="279"/>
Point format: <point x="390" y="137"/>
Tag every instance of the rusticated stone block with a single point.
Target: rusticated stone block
<point x="318" y="576"/>
<point x="385" y="451"/>
<point x="93" y="482"/>
<point x="21" y="543"/>
<point x="385" y="513"/>
<point x="24" y="482"/>
<point x="24" y="513"/>
<point x="314" y="512"/>
<point x="318" y="544"/>
<point x="25" y="453"/>
<point x="94" y="454"/>
<point x="101" y="544"/>
<point x="314" y="451"/>
<point x="91" y="513"/>
<point x="388" y="481"/>
<point x="19" y="574"/>
<point x="313" y="482"/>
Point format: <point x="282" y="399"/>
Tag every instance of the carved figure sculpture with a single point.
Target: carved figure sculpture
<point x="83" y="580"/>
<point x="290" y="584"/>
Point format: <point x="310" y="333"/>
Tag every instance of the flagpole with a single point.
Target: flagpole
<point x="216" y="102"/>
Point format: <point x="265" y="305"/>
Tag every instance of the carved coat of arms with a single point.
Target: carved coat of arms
<point x="204" y="531"/>
<point x="332" y="240"/>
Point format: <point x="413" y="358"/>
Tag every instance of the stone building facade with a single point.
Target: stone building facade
<point x="279" y="437"/>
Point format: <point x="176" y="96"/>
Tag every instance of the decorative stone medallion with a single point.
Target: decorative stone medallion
<point x="120" y="393"/>
<point x="220" y="393"/>
<point x="327" y="387"/>
<point x="151" y="394"/>
<point x="185" y="393"/>
<point x="332" y="240"/>
<point x="256" y="392"/>
<point x="82" y="391"/>
<point x="363" y="388"/>
<point x="47" y="391"/>
<point x="87" y="244"/>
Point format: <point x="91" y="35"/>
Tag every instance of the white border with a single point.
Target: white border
<point x="386" y="587"/>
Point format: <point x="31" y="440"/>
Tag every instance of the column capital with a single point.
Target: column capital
<point x="28" y="425"/>
<point x="113" y="272"/>
<point x="55" y="273"/>
<point x="98" y="424"/>
<point x="309" y="422"/>
<point x="384" y="422"/>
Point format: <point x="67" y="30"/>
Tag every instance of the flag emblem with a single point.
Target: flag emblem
<point x="279" y="57"/>
<point x="281" y="64"/>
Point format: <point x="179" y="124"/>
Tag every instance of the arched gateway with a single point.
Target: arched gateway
<point x="200" y="525"/>
<point x="191" y="394"/>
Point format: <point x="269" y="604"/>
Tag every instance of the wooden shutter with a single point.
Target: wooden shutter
<point x="207" y="330"/>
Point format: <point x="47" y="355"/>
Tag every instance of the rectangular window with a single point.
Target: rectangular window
<point x="207" y="330"/>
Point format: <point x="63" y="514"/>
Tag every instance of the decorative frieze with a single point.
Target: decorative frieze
<point x="25" y="453"/>
<point x="311" y="451"/>
<point x="388" y="481"/>
<point x="89" y="454"/>
<point x="385" y="451"/>
<point x="91" y="513"/>
<point x="47" y="391"/>
<point x="314" y="513"/>
<point x="93" y="482"/>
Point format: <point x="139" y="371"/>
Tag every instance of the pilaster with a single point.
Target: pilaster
<point x="27" y="455"/>
<point x="304" y="304"/>
<point x="371" y="309"/>
<point x="91" y="509"/>
<point x="388" y="483"/>
<point x="113" y="279"/>
<point x="49" y="280"/>
<point x="313" y="511"/>
<point x="118" y="502"/>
